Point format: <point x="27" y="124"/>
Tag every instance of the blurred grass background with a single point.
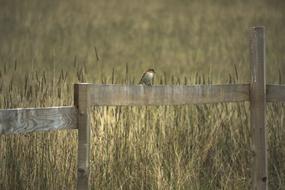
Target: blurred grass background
<point x="46" y="46"/>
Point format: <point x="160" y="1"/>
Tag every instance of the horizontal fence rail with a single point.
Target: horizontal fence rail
<point x="275" y="93"/>
<point x="23" y="120"/>
<point x="101" y="95"/>
<point x="112" y="95"/>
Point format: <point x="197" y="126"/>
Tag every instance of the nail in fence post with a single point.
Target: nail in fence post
<point x="258" y="108"/>
<point x="81" y="102"/>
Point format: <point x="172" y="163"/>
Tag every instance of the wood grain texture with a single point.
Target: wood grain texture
<point x="24" y="120"/>
<point x="257" y="108"/>
<point x="166" y="95"/>
<point x="81" y="102"/>
<point x="275" y="93"/>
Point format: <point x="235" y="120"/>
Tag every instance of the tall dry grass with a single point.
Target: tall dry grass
<point x="47" y="46"/>
<point x="151" y="147"/>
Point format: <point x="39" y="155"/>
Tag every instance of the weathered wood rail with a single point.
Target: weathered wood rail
<point x="25" y="120"/>
<point x="85" y="95"/>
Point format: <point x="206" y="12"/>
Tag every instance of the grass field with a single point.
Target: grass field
<point x="47" y="46"/>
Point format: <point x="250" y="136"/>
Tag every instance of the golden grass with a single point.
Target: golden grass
<point x="48" y="46"/>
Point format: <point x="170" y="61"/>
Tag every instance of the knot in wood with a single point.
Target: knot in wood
<point x="264" y="179"/>
<point x="81" y="172"/>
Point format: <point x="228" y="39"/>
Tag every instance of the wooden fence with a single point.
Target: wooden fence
<point x="86" y="95"/>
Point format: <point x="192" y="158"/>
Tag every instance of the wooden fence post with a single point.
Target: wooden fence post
<point x="258" y="108"/>
<point x="81" y="102"/>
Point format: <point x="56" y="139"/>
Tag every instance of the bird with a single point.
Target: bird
<point x="147" y="77"/>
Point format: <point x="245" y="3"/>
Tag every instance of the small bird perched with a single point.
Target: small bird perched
<point x="147" y="77"/>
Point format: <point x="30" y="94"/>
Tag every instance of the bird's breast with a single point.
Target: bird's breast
<point x="149" y="75"/>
